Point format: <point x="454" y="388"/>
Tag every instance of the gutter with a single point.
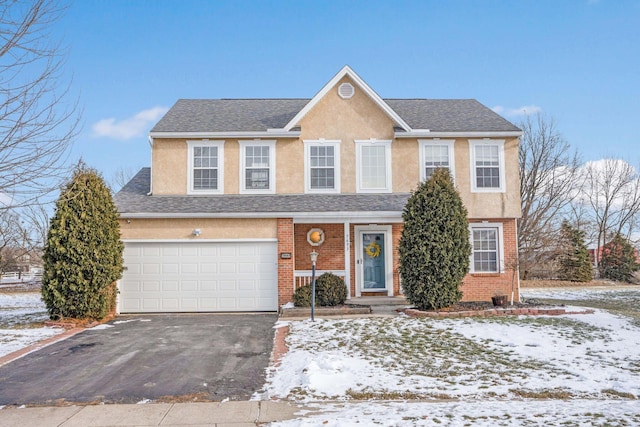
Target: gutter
<point x="150" y="139"/>
<point x="429" y="134"/>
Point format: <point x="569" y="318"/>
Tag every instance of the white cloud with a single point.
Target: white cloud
<point x="130" y="127"/>
<point x="525" y="110"/>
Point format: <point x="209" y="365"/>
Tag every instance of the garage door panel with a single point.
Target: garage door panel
<point x="209" y="268"/>
<point x="189" y="250"/>
<point x="228" y="251"/>
<point x="206" y="285"/>
<point x="150" y="251"/>
<point x="170" y="286"/>
<point x="246" y="267"/>
<point x="171" y="251"/>
<point x="208" y="304"/>
<point x="190" y="277"/>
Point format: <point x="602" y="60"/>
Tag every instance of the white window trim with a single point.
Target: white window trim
<point x="206" y="143"/>
<point x="272" y="166"/>
<point x="388" y="182"/>
<point x="473" y="143"/>
<point x="500" y="235"/>
<point x="307" y="165"/>
<point x="437" y="142"/>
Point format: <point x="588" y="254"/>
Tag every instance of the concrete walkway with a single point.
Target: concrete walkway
<point x="233" y="413"/>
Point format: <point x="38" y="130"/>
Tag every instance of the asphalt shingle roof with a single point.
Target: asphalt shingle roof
<point x="224" y="115"/>
<point x="133" y="198"/>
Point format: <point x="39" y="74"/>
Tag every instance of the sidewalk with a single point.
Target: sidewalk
<point x="234" y="413"/>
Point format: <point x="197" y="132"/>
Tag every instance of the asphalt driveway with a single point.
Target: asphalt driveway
<point x="167" y="357"/>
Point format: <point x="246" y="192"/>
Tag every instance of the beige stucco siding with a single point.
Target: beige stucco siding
<point x="211" y="228"/>
<point x="346" y="120"/>
<point x="405" y="164"/>
<point x="489" y="204"/>
<point x="289" y="166"/>
<point x="169" y="166"/>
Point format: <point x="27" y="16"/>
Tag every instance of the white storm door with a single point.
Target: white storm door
<point x="374" y="261"/>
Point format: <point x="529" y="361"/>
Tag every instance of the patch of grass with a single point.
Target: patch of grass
<point x="542" y="394"/>
<point x="616" y="393"/>
<point x="382" y="395"/>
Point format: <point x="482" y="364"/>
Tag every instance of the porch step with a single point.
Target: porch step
<point x="381" y="300"/>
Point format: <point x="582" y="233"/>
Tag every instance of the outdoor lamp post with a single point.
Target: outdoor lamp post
<point x="314" y="258"/>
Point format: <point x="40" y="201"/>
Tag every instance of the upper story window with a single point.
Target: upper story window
<point x="373" y="166"/>
<point x="257" y="166"/>
<point x="487" y="248"/>
<point x="435" y="154"/>
<point x="206" y="167"/>
<point x="322" y="166"/>
<point x="487" y="165"/>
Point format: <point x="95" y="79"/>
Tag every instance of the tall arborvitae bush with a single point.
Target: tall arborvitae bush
<point x="619" y="260"/>
<point x="83" y="253"/>
<point x="434" y="247"/>
<point x="573" y="257"/>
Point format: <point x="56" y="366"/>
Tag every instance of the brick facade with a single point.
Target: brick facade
<point x="293" y="239"/>
<point x="330" y="253"/>
<point x="482" y="286"/>
<point x="285" y="266"/>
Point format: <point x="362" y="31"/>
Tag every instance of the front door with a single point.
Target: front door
<point x="372" y="266"/>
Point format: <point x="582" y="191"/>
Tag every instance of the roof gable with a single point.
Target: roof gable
<point x="347" y="71"/>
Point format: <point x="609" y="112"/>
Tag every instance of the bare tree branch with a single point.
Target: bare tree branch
<point x="548" y="168"/>
<point x="37" y="124"/>
<point x="121" y="177"/>
<point x="611" y="198"/>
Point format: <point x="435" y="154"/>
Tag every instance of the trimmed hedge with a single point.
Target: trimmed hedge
<point x="330" y="291"/>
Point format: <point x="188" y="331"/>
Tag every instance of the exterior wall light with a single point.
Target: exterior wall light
<point x="196" y="232"/>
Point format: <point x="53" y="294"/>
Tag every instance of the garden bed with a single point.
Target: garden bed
<point x="339" y="310"/>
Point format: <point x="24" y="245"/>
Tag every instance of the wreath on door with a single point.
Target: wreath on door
<point x="372" y="249"/>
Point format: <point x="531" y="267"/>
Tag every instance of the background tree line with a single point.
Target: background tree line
<point x="568" y="205"/>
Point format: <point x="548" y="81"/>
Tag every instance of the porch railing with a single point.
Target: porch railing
<point x="303" y="277"/>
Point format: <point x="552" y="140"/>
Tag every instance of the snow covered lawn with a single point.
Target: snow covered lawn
<point x="22" y="316"/>
<point x="560" y="370"/>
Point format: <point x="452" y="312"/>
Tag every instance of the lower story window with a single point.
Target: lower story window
<point x="486" y="249"/>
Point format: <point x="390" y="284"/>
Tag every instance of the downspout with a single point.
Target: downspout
<point x="516" y="267"/>
<point x="150" y="166"/>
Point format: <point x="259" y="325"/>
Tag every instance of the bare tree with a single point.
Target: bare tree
<point x="38" y="124"/>
<point x="611" y="199"/>
<point x="23" y="233"/>
<point x="121" y="177"/>
<point x="548" y="182"/>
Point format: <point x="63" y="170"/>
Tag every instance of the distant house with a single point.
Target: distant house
<point x="223" y="219"/>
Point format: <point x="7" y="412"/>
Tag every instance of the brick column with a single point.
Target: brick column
<point x="285" y="266"/>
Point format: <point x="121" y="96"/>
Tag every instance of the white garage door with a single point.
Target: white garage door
<point x="197" y="277"/>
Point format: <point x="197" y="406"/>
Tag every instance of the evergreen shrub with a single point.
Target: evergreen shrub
<point x="434" y="247"/>
<point x="619" y="260"/>
<point x="83" y="253"/>
<point x="575" y="264"/>
<point x="330" y="291"/>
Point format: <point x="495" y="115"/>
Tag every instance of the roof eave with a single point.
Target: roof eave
<point x="269" y="133"/>
<point x="377" y="215"/>
<point x="472" y="134"/>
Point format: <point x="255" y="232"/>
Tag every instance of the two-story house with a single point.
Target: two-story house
<point x="239" y="189"/>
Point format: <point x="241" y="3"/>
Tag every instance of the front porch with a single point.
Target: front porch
<point x="378" y="306"/>
<point x="363" y="255"/>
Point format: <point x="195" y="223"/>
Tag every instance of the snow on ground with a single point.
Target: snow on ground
<point x="626" y="293"/>
<point x="21" y="317"/>
<point x="476" y="414"/>
<point x="577" y="370"/>
<point x="572" y="355"/>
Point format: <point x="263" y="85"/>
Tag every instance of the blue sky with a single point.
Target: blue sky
<point x="577" y="61"/>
